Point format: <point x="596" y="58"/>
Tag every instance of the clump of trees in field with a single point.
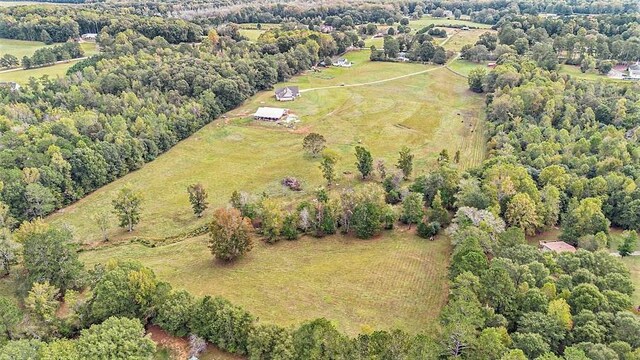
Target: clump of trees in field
<point x="48" y="56"/>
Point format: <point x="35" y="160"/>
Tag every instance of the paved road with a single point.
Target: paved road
<point x="57" y="62"/>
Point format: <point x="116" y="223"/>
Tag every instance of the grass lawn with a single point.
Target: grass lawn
<point x="427" y="112"/>
<point x="397" y="280"/>
<point x="464" y="67"/>
<point x="378" y="42"/>
<point x="633" y="262"/>
<point x="20" y="48"/>
<point x="53" y="71"/>
<point x="464" y="37"/>
<point x="574" y="71"/>
<point x="251" y="34"/>
<point x="428" y="20"/>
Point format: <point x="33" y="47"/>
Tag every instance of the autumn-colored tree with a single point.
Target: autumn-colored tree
<point x="521" y="212"/>
<point x="229" y="234"/>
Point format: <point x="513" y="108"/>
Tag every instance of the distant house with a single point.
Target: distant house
<point x="326" y="28"/>
<point x="13" y="86"/>
<point x="270" y="114"/>
<point x="556" y="246"/>
<point x="615" y="74"/>
<point x="342" y="63"/>
<point x="491" y="65"/>
<point x="89" y="36"/>
<point x="634" y="71"/>
<point x="287" y="93"/>
<point x="466" y="28"/>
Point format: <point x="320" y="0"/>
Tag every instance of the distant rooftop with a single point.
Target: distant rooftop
<point x="557" y="246"/>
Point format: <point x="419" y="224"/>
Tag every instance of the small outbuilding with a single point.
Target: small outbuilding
<point x="342" y="63"/>
<point x="634" y="71"/>
<point x="89" y="36"/>
<point x="557" y="246"/>
<point x="287" y="93"/>
<point x="270" y="113"/>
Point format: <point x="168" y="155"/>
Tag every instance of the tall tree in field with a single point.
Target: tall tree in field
<point x="314" y="144"/>
<point x="405" y="162"/>
<point x="475" y="79"/>
<point x="412" y="208"/>
<point x="229" y="234"/>
<point x="127" y="207"/>
<point x="198" y="198"/>
<point x="365" y="161"/>
<point x="103" y="220"/>
<point x="328" y="165"/>
<point x="629" y="242"/>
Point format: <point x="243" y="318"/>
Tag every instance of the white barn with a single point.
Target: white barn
<point x="270" y="113"/>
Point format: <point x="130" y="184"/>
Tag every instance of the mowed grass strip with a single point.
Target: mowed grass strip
<point x="428" y="20"/>
<point x="427" y="112"/>
<point x="20" y="48"/>
<point x="394" y="281"/>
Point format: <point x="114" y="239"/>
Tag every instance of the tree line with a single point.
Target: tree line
<point x="50" y="55"/>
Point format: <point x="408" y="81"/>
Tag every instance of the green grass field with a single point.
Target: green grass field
<point x="575" y="72"/>
<point x="428" y="20"/>
<point x="464" y="37"/>
<point x="464" y="67"/>
<point x="20" y="48"/>
<point x="251" y="34"/>
<point x="58" y="70"/>
<point x="397" y="280"/>
<point x="427" y="112"/>
<point x="633" y="262"/>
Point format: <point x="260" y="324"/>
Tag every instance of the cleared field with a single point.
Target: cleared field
<point x="633" y="262"/>
<point x="428" y="20"/>
<point x="398" y="280"/>
<point x="251" y="34"/>
<point x="427" y="112"/>
<point x="58" y="70"/>
<point x="20" y="48"/>
<point x="464" y="67"/>
<point x="464" y="37"/>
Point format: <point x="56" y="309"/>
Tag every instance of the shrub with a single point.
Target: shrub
<point x="427" y="230"/>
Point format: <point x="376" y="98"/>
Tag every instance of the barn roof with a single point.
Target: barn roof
<point x="269" y="113"/>
<point x="558" y="246"/>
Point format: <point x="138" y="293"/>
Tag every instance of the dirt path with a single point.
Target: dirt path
<point x="372" y="82"/>
<point x="39" y="67"/>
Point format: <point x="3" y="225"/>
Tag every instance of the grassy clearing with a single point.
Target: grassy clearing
<point x="575" y="72"/>
<point x="398" y="280"/>
<point x="464" y="67"/>
<point x="20" y="48"/>
<point x="58" y="70"/>
<point x="428" y="20"/>
<point x="464" y="37"/>
<point x="633" y="262"/>
<point x="427" y="112"/>
<point x="251" y="34"/>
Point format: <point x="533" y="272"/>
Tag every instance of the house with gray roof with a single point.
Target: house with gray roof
<point x="287" y="93"/>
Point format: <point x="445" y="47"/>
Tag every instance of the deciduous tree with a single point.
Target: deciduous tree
<point x="198" y="198"/>
<point x="127" y="206"/>
<point x="229" y="234"/>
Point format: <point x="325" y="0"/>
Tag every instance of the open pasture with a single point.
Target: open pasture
<point x="426" y="112"/>
<point x="397" y="280"/>
<point x="443" y="22"/>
